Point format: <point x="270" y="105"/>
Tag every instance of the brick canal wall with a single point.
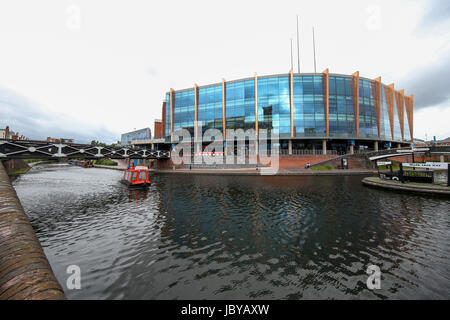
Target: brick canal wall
<point x="300" y="161"/>
<point x="12" y="165"/>
<point x="25" y="272"/>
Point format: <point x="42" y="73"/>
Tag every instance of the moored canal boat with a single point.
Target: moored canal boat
<point x="81" y="163"/>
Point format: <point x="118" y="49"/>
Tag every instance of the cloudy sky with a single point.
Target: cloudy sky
<point x="92" y="69"/>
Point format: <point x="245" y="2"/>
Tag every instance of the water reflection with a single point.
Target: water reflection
<point x="136" y="194"/>
<point x="237" y="237"/>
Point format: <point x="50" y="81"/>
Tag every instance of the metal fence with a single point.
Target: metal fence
<point x="408" y="175"/>
<point x="364" y="152"/>
<point x="306" y="152"/>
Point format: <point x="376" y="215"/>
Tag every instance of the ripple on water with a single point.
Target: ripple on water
<point x="199" y="237"/>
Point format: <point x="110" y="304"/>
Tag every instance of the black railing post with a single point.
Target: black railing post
<point x="402" y="178"/>
<point x="448" y="175"/>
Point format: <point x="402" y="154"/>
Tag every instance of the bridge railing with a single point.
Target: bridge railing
<point x="396" y="152"/>
<point x="29" y="149"/>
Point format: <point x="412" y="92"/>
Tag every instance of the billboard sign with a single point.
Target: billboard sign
<point x="428" y="165"/>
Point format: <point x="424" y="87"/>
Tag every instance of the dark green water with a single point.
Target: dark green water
<point x="228" y="237"/>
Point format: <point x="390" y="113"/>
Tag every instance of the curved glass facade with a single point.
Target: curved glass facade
<point x="397" y="129"/>
<point x="291" y="105"/>
<point x="210" y="108"/>
<point x="407" y="132"/>
<point x="309" y="111"/>
<point x="367" y="117"/>
<point x="273" y="105"/>
<point x="385" y="123"/>
<point x="342" y="118"/>
<point x="184" y="111"/>
<point x="167" y="117"/>
<point x="240" y="104"/>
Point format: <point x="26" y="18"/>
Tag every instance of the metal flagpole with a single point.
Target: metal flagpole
<point x="298" y="48"/>
<point x="292" y="58"/>
<point x="314" y="48"/>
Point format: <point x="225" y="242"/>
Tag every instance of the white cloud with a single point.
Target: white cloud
<point x="114" y="69"/>
<point x="433" y="121"/>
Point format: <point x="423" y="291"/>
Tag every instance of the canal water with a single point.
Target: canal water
<point x="232" y="237"/>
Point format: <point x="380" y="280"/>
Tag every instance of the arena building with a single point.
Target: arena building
<point x="309" y="111"/>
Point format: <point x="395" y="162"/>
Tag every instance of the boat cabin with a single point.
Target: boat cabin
<point x="136" y="176"/>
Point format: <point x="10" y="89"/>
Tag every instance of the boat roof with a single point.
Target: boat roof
<point x="140" y="168"/>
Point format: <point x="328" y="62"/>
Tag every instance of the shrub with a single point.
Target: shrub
<point x="327" y="167"/>
<point x="33" y="160"/>
<point x="106" y="162"/>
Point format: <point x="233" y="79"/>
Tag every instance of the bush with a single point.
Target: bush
<point x="18" y="172"/>
<point x="105" y="162"/>
<point x="33" y="160"/>
<point x="327" y="167"/>
<point x="395" y="166"/>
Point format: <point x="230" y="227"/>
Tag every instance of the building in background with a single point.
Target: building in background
<point x="444" y="142"/>
<point x="439" y="143"/>
<point x="308" y="111"/>
<point x="4" y="133"/>
<point x="59" y="140"/>
<point x="158" y="130"/>
<point x="8" y="134"/>
<point x="142" y="134"/>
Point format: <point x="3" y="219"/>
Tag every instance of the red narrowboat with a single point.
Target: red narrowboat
<point x="136" y="177"/>
<point x="86" y="164"/>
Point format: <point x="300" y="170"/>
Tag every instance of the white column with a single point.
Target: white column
<point x="290" y="146"/>
<point x="376" y="146"/>
<point x="324" y="146"/>
<point x="352" y="150"/>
